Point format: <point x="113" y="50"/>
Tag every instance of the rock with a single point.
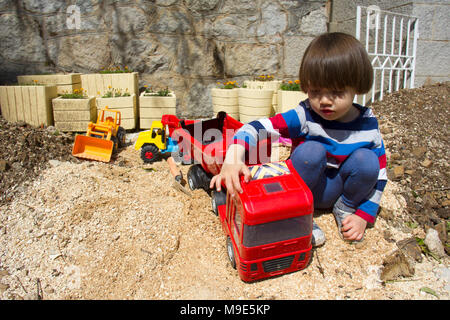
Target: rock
<point x="372" y="281"/>
<point x="419" y="152"/>
<point x="426" y="163"/>
<point x="273" y="20"/>
<point x="410" y="248"/>
<point x="3" y="165"/>
<point x="395" y="266"/>
<point x="54" y="163"/>
<point x="442" y="273"/>
<point x="433" y="243"/>
<point x="3" y="288"/>
<point x="396" y="156"/>
<point x="398" y="172"/>
<point x="430" y="201"/>
<point x="386" y="130"/>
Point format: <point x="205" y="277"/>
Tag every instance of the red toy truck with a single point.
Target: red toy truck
<point x="269" y="225"/>
<point x="206" y="142"/>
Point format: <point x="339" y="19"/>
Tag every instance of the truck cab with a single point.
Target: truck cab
<point x="269" y="225"/>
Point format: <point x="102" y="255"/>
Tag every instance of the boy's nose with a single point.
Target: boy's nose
<point x="325" y="99"/>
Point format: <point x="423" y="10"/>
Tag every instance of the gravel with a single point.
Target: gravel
<point x="72" y="229"/>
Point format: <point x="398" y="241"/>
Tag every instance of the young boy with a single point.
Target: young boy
<point x="337" y="147"/>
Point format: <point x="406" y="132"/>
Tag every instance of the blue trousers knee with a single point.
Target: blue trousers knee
<point x="354" y="180"/>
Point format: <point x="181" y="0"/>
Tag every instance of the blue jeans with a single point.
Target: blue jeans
<point x="354" y="180"/>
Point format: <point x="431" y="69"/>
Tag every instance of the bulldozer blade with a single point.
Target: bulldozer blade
<point x="92" y="148"/>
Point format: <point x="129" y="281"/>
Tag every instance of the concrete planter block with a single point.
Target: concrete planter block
<point x="31" y="104"/>
<point x="65" y="83"/>
<point x="97" y="84"/>
<point x="74" y="114"/>
<point x="226" y="100"/>
<point x="254" y="104"/>
<point x="289" y="99"/>
<point x="154" y="107"/>
<point x="127" y="107"/>
<point x="268" y="85"/>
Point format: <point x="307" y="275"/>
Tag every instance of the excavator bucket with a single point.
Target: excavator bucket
<point x="92" y="148"/>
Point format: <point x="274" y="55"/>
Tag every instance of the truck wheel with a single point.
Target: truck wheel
<point x="230" y="252"/>
<point x="115" y="144"/>
<point x="193" y="177"/>
<point x="218" y="198"/>
<point x="150" y="153"/>
<point x="121" y="137"/>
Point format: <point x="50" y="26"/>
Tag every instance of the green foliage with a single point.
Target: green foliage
<point x="116" y="70"/>
<point x="290" y="85"/>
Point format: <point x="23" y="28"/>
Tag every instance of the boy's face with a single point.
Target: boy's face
<point x="333" y="105"/>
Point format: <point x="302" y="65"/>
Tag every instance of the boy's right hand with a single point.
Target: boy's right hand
<point x="233" y="167"/>
<point x="230" y="175"/>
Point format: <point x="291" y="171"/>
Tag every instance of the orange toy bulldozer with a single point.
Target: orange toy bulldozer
<point x="102" y="138"/>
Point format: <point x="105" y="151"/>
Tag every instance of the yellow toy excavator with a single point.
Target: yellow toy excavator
<point x="102" y="138"/>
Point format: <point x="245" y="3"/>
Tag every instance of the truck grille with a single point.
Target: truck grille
<point x="277" y="264"/>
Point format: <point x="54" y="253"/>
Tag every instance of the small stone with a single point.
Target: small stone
<point x="395" y="266"/>
<point x="429" y="200"/>
<point x="433" y="243"/>
<point x="396" y="156"/>
<point x="386" y="130"/>
<point x="399" y="171"/>
<point x="54" y="163"/>
<point x="49" y="290"/>
<point x="49" y="225"/>
<point x="419" y="152"/>
<point x="426" y="163"/>
<point x="411" y="248"/>
<point x="3" y="288"/>
<point x="3" y="166"/>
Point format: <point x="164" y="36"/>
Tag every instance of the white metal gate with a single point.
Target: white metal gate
<point x="391" y="42"/>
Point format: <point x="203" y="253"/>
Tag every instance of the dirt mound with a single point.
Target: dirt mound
<point x="25" y="151"/>
<point x="415" y="125"/>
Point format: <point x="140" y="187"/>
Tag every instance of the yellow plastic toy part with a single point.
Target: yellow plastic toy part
<point x="155" y="135"/>
<point x="98" y="142"/>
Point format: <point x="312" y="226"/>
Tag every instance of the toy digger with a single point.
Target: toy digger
<point x="157" y="141"/>
<point x="102" y="138"/>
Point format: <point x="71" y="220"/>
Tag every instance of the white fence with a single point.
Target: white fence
<point x="391" y="42"/>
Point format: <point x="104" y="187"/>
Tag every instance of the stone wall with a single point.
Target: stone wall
<point x="187" y="45"/>
<point x="433" y="46"/>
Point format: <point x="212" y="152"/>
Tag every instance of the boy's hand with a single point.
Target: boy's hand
<point x="353" y="227"/>
<point x="230" y="174"/>
<point x="233" y="167"/>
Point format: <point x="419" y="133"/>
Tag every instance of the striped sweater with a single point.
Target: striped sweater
<point x="339" y="139"/>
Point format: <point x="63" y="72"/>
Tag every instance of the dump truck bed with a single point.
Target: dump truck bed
<point x="207" y="141"/>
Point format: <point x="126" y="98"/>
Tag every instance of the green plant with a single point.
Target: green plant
<point x="227" y="85"/>
<point x="114" y="93"/>
<point x="116" y="69"/>
<point x="76" y="94"/>
<point x="423" y="247"/>
<point x="263" y="77"/>
<point x="160" y="93"/>
<point x="290" y="85"/>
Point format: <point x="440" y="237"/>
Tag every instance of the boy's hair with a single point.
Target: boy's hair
<point x="334" y="61"/>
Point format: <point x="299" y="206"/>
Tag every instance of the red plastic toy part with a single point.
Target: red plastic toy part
<point x="269" y="225"/>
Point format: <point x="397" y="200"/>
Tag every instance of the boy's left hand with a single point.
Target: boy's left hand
<point x="353" y="227"/>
